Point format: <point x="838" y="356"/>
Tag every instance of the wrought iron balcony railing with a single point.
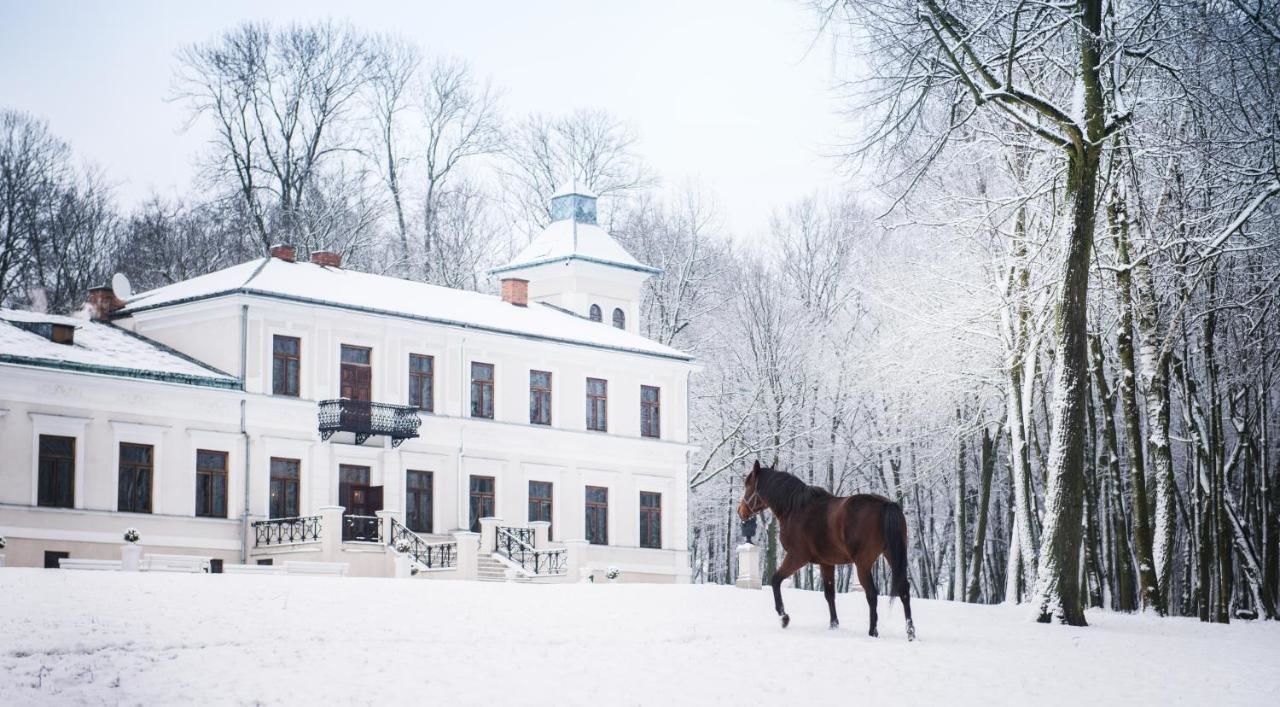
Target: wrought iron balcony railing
<point x="517" y="545"/>
<point x="365" y="529"/>
<point x="366" y="419"/>
<point x="430" y="555"/>
<point x="285" y="531"/>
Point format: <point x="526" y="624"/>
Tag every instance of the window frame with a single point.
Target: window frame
<point x="279" y="387"/>
<point x="588" y="506"/>
<point x="597" y="417"/>
<point x="595" y="314"/>
<point x="430" y="489"/>
<point x="473" y="494"/>
<point x="211" y="473"/>
<point x="139" y="471"/>
<point x="536" y="401"/>
<point x="66" y="474"/>
<point x="546" y="503"/>
<point x="419" y="379"/>
<point x="653" y="515"/>
<point x="296" y="479"/>
<point x="486" y="387"/>
<point x="619" y="318"/>
<point x="651" y="412"/>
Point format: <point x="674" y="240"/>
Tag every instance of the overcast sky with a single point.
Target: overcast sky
<point x="731" y="93"/>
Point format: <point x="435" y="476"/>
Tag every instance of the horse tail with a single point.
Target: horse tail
<point x="895" y="544"/>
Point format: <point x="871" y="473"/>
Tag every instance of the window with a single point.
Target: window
<point x="136" y="466"/>
<point x="356" y="373"/>
<point x="597" y="404"/>
<point x="595" y="313"/>
<point x="284" y="488"/>
<point x="539" y="398"/>
<point x="481" y="500"/>
<point x="650" y="519"/>
<point x="619" y="319"/>
<point x="597" y="515"/>
<point x="211" y="484"/>
<point x="422" y="382"/>
<point x="215" y="566"/>
<point x="57" y="472"/>
<point x="417" y="494"/>
<point x="52" y="559"/>
<point x="286" y="359"/>
<point x="650" y="411"/>
<point x="482" y="390"/>
<point x="540" y="502"/>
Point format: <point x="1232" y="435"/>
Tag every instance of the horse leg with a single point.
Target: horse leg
<point x="869" y="588"/>
<point x="906" y="609"/>
<point x="829" y="591"/>
<point x="790" y="565"/>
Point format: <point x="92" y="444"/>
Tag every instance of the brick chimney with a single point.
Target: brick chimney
<point x="327" y="258"/>
<point x="284" y="252"/>
<point x="102" y="302"/>
<point x="515" y="291"/>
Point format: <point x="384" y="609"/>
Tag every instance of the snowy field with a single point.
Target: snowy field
<point x="120" y="638"/>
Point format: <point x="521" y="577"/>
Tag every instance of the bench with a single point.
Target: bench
<point x="174" y="563"/>
<point x="68" y="563"/>
<point x="326" y="569"/>
<point x="253" y="569"/>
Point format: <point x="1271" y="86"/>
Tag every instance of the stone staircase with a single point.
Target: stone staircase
<point x="491" y="570"/>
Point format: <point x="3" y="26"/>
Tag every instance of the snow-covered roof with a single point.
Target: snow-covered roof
<point x="568" y="239"/>
<point x="571" y="188"/>
<point x="100" y="348"/>
<point x="391" y="296"/>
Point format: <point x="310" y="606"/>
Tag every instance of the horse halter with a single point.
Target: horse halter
<point x="750" y="502"/>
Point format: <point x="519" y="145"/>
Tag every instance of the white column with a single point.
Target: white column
<point x="468" y="553"/>
<point x="575" y="559"/>
<point x="488" y="533"/>
<point x="541" y="533"/>
<point x="331" y="532"/>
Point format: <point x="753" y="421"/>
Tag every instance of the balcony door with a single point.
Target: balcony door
<point x="356" y="378"/>
<point x="360" y="501"/>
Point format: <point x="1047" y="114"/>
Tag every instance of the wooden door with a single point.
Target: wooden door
<point x="356" y="378"/>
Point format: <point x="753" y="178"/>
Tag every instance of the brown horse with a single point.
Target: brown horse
<point x="828" y="530"/>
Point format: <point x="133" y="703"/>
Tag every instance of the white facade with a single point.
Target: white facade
<point x="228" y="322"/>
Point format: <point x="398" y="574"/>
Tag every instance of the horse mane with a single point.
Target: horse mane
<point x="786" y="493"/>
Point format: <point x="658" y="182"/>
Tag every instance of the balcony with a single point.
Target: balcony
<point x="366" y="419"/>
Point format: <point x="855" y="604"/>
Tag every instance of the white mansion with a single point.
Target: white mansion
<point x="281" y="411"/>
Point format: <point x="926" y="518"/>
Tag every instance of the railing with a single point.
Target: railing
<point x="522" y="535"/>
<point x="433" y="556"/>
<point x="366" y="419"/>
<point x="283" y="531"/>
<point x="361" y="529"/>
<point x="517" y="545"/>
<point x="551" y="561"/>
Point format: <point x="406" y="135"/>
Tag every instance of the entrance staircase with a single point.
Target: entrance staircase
<point x="491" y="569"/>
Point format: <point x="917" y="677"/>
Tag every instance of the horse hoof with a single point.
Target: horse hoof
<point x="911" y="631"/>
<point x="835" y="625"/>
<point x="873" y="633"/>
<point x="786" y="620"/>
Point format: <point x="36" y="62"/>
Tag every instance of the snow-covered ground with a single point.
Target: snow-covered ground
<point x="70" y="637"/>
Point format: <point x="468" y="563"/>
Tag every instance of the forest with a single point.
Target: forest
<point x="1044" y="316"/>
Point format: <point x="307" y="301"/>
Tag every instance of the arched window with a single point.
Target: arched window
<point x="619" y="319"/>
<point x="595" y="313"/>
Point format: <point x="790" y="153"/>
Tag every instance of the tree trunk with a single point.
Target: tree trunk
<point x="1057" y="595"/>
<point x="1151" y="595"/>
<point x="980" y="531"/>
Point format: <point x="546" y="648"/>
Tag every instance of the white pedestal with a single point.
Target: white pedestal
<point x="404" y="567"/>
<point x="130" y="557"/>
<point x="748" y="567"/>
